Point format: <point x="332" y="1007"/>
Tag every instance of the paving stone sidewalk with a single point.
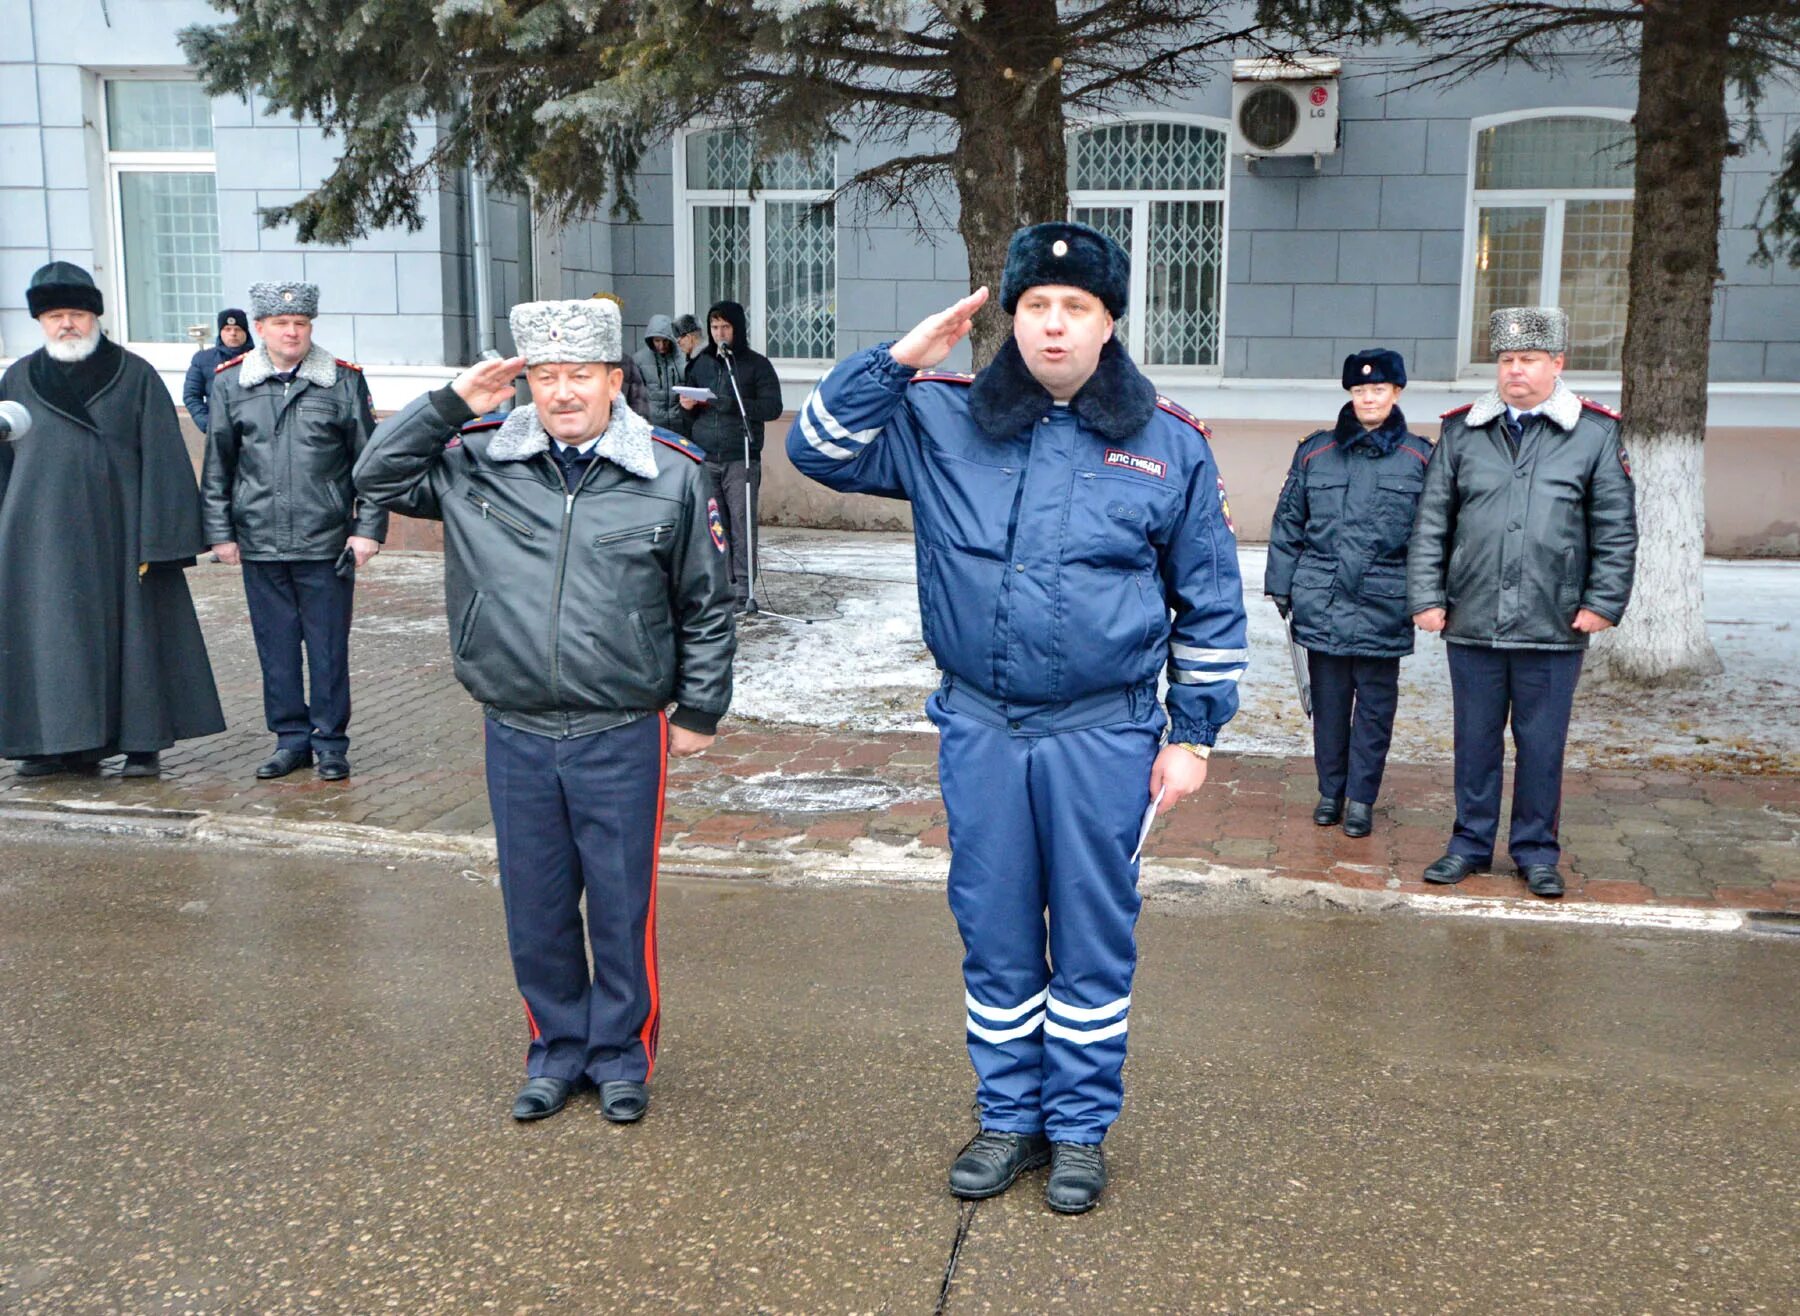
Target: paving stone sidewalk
<point x="1632" y="837"/>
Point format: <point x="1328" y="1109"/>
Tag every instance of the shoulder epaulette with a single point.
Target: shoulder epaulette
<point x="941" y="377"/>
<point x="681" y="445"/>
<point x="1425" y="456"/>
<point x="1456" y="411"/>
<point x="348" y="365"/>
<point x="1180" y="412"/>
<point x="479" y="424"/>
<point x="223" y="366"/>
<point x="1600" y="407"/>
<point x="1317" y="434"/>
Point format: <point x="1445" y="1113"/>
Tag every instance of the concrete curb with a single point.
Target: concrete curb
<point x="863" y="863"/>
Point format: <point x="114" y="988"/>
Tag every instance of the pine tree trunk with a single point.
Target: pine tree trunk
<point x="1682" y="134"/>
<point x="1010" y="157"/>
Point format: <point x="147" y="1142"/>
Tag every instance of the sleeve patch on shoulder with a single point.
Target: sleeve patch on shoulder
<point x="715" y="524"/>
<point x="681" y="445"/>
<point x="1625" y="459"/>
<point x="1180" y="412"/>
<point x="1225" y="507"/>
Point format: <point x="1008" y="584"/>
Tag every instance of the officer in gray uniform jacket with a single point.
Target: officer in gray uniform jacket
<point x="1524" y="546"/>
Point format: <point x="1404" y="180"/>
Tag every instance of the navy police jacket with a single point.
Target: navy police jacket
<point x="1053" y="542"/>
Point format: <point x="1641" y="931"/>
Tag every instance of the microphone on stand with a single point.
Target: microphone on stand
<point x="15" y="421"/>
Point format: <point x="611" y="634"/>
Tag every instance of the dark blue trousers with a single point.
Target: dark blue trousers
<point x="1535" y="690"/>
<point x="573" y="818"/>
<point x="1044" y="822"/>
<point x="1353" y="722"/>
<point x="296" y="606"/>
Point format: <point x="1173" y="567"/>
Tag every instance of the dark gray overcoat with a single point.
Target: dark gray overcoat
<point x="94" y="653"/>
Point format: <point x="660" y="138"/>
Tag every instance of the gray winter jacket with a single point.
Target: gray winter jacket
<point x="1512" y="546"/>
<point x="569" y="612"/>
<point x="662" y="372"/>
<point x="276" y="480"/>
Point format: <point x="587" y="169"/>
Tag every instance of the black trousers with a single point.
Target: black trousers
<point x="731" y="480"/>
<point x="296" y="607"/>
<point x="1353" y="722"/>
<point x="579" y="817"/>
<point x="1534" y="689"/>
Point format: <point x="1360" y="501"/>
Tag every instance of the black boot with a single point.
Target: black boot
<point x="1077" y="1177"/>
<point x="1327" y="811"/>
<point x="147" y="764"/>
<point x="41" y="765"/>
<point x="1359" y="819"/>
<point x="623" y="1100"/>
<point x="334" y="765"/>
<point x="1453" y="868"/>
<point x="992" y="1160"/>
<point x="282" y="762"/>
<point x="1543" y="880"/>
<point x="541" y="1097"/>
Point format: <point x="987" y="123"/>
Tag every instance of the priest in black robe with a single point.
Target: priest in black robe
<point x="100" y="650"/>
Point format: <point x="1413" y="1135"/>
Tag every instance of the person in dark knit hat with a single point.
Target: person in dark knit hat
<point x="234" y="340"/>
<point x="99" y="514"/>
<point x="1337" y="569"/>
<point x="1074" y="545"/>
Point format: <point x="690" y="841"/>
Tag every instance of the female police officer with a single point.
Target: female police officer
<point x="1337" y="558"/>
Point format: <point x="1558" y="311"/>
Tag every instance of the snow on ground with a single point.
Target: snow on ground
<point x="864" y="666"/>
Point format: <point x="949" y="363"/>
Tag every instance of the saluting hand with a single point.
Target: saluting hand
<point x="486" y="384"/>
<point x="930" y="340"/>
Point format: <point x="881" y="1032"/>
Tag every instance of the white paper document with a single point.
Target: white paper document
<point x="1149" y="822"/>
<point x="693" y="394"/>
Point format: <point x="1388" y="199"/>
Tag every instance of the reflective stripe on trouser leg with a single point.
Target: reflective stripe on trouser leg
<point x="996" y="892"/>
<point x="1089" y="790"/>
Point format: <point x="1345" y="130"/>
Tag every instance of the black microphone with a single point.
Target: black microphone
<point x="15" y="421"/>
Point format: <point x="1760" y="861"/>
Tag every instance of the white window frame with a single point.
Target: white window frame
<point x="1139" y="201"/>
<point x="165" y="356"/>
<point x="1554" y="201"/>
<point x="686" y="199"/>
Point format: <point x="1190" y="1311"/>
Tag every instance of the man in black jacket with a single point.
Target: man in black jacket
<point x="233" y="342"/>
<point x="584" y="575"/>
<point x="287" y="422"/>
<point x="721" y="430"/>
<point x="1524" y="546"/>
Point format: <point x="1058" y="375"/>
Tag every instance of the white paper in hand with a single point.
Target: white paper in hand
<point x="1149" y="822"/>
<point x="693" y="394"/>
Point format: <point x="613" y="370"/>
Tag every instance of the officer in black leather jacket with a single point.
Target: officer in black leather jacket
<point x="1524" y="546"/>
<point x="584" y="576"/>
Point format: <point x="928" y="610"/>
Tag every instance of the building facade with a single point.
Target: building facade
<point x="1252" y="278"/>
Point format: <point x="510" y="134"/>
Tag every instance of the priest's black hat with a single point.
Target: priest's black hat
<point x="61" y="286"/>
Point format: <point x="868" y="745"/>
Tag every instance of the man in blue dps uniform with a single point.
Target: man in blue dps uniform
<point x="1524" y="546"/>
<point x="1337" y="565"/>
<point x="584" y="578"/>
<point x="1061" y="511"/>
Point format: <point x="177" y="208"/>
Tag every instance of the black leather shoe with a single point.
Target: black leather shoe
<point x="41" y="765"/>
<point x="142" y="765"/>
<point x="1452" y="868"/>
<point x="1327" y="811"/>
<point x="993" y="1159"/>
<point x="1543" y="879"/>
<point x="1359" y="819"/>
<point x="1077" y="1177"/>
<point x="541" y="1098"/>
<point x="333" y="766"/>
<point x="282" y="762"/>
<point x="624" y="1100"/>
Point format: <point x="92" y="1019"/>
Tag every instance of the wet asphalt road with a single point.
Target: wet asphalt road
<point x="253" y="1082"/>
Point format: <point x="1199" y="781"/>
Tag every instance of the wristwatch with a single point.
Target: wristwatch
<point x="1198" y="751"/>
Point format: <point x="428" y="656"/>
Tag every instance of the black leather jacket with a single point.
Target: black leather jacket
<point x="277" y="476"/>
<point x="569" y="612"/>
<point x="1513" y="545"/>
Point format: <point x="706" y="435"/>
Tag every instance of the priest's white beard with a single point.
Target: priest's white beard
<point x="73" y="349"/>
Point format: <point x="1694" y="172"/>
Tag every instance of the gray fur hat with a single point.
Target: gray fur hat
<point x="1529" y="329"/>
<point x="268" y="299"/>
<point x="587" y="330"/>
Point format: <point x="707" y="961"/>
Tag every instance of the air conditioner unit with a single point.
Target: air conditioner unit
<point x="1285" y="106"/>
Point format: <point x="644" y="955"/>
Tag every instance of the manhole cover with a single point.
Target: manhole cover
<point x="775" y="793"/>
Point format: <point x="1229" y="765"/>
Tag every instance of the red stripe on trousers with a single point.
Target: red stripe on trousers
<point x="653" y="1021"/>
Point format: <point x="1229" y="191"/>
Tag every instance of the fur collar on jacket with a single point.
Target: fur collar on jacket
<point x="1116" y="402"/>
<point x="1350" y="431"/>
<point x="1562" y="408"/>
<point x="626" y="441"/>
<point x="317" y="367"/>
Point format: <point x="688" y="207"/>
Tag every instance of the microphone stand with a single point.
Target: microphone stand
<point x="751" y="609"/>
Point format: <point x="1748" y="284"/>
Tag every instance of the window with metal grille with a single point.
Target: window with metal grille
<point x="761" y="235"/>
<point x="1550" y="225"/>
<point x="1157" y="187"/>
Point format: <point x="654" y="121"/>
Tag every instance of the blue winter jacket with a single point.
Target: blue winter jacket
<point x="1052" y="541"/>
<point x="196" y="389"/>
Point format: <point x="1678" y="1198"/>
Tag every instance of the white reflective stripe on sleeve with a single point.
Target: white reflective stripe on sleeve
<point x="1081" y="1016"/>
<point x="832" y="425"/>
<point x="1202" y="678"/>
<point x="1188" y="654"/>
<point x="1007" y="1015"/>
<point x="1085" y="1037"/>
<point x="819" y="442"/>
<point x="1031" y="1025"/>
